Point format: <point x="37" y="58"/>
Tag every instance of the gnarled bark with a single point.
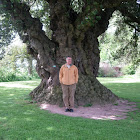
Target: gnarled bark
<point x="67" y="40"/>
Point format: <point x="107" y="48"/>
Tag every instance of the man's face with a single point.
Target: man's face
<point x="69" y="60"/>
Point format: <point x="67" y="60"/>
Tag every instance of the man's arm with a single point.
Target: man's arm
<point x="76" y="75"/>
<point x="60" y="74"/>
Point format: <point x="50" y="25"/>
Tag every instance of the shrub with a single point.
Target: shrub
<point x="138" y="72"/>
<point x="6" y="75"/>
<point x="101" y="72"/>
<point x="128" y="70"/>
<point x="107" y="72"/>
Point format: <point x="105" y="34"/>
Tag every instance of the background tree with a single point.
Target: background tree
<point x="6" y="32"/>
<point x="121" y="47"/>
<point x="75" y="27"/>
<point x="16" y="64"/>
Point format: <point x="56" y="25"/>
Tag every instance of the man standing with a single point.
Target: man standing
<point x="68" y="77"/>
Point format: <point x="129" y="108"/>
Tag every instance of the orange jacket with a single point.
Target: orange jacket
<point x="68" y="76"/>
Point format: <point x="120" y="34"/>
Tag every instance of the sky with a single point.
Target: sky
<point x="16" y="41"/>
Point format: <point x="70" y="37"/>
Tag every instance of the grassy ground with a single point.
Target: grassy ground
<point x="20" y="120"/>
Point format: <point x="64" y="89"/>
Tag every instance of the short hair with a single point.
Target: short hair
<point x="68" y="56"/>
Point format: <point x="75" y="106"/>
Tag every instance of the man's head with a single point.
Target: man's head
<point x="69" y="60"/>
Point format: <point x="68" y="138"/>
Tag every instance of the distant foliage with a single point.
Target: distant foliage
<point x="138" y="72"/>
<point x="7" y="75"/>
<point x="17" y="65"/>
<point x="108" y="72"/>
<point x="120" y="44"/>
<point x="128" y="70"/>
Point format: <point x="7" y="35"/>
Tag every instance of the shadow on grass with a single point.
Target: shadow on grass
<point x="23" y="121"/>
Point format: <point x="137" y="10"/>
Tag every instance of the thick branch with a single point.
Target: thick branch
<point x="30" y="29"/>
<point x="91" y="10"/>
<point x="112" y="3"/>
<point x="126" y="13"/>
<point x="102" y="25"/>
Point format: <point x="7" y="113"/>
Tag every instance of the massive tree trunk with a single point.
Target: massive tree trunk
<point x="83" y="48"/>
<point x="67" y="40"/>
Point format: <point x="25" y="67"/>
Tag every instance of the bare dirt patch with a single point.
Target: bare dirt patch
<point x="115" y="111"/>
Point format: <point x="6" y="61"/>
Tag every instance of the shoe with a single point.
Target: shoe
<point x="67" y="110"/>
<point x="71" y="110"/>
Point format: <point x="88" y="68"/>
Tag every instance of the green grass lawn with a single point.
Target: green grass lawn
<point x="20" y="120"/>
